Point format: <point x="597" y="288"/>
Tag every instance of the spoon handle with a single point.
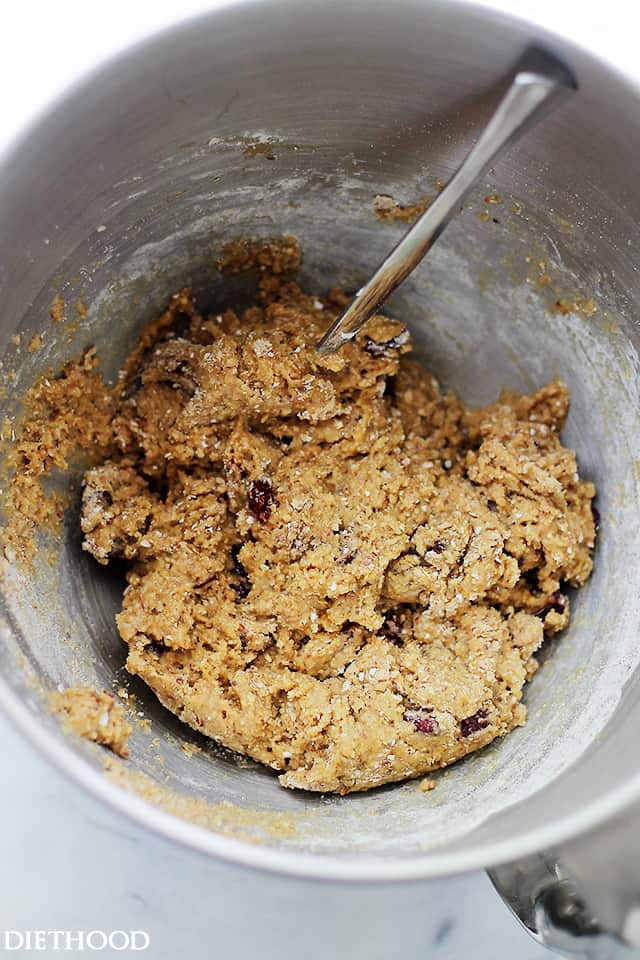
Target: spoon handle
<point x="540" y="82"/>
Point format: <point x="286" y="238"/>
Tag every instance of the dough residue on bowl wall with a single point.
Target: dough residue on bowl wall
<point x="94" y="715"/>
<point x="63" y="416"/>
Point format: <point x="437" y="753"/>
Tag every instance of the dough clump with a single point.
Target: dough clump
<point x="334" y="567"/>
<point x="94" y="715"/>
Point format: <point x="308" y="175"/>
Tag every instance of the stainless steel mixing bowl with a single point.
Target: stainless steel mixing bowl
<point x="269" y="117"/>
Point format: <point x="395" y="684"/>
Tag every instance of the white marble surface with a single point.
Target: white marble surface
<point x="66" y="862"/>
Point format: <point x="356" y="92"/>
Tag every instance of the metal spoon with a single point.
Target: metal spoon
<point x="540" y="82"/>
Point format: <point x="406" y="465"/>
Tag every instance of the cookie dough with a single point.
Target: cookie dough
<point x="334" y="567"/>
<point x="94" y="715"/>
<point x="64" y="416"/>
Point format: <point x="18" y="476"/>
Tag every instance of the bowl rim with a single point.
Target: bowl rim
<point x="361" y="868"/>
